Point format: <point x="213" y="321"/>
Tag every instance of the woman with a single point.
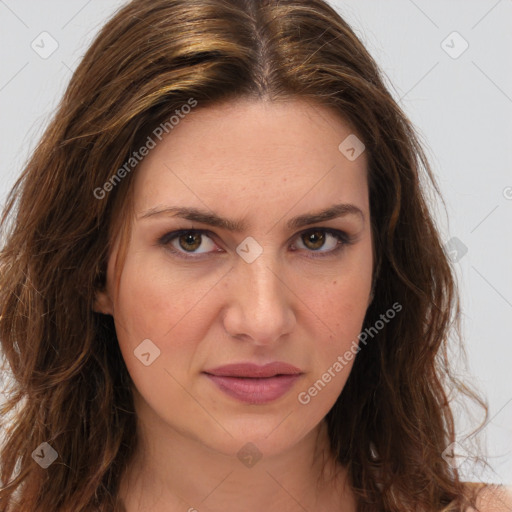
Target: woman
<point x="222" y="288"/>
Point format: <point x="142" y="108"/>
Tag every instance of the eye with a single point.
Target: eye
<point x="186" y="242"/>
<point x="315" y="239"/>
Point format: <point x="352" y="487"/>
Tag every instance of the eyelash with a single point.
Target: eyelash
<point x="341" y="236"/>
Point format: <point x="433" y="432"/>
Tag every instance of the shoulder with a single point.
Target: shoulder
<point x="492" y="497"/>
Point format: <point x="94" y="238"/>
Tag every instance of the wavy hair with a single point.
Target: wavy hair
<point x="69" y="385"/>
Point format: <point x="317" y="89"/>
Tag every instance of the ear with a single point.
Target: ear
<point x="103" y="303"/>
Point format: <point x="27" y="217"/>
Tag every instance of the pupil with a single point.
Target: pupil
<point x="311" y="238"/>
<point x="188" y="237"/>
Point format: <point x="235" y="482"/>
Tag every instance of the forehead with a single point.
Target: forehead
<point x="251" y="152"/>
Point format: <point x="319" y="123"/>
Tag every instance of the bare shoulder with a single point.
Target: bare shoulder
<point x="492" y="498"/>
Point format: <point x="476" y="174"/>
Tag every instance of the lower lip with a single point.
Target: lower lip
<point x="255" y="391"/>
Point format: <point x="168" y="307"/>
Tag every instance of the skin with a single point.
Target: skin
<point x="263" y="163"/>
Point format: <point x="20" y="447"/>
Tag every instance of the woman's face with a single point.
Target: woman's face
<point x="253" y="281"/>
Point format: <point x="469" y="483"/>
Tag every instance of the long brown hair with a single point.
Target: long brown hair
<point x="70" y="387"/>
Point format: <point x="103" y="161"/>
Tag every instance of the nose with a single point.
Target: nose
<point x="260" y="303"/>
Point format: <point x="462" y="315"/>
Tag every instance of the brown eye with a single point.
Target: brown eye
<point x="314" y="239"/>
<point x="190" y="241"/>
<point x="324" y="242"/>
<point x="329" y="240"/>
<point x="319" y="242"/>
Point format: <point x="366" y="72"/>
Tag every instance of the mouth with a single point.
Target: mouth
<point x="253" y="384"/>
<point x="251" y="370"/>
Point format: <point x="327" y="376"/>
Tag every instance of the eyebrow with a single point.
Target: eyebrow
<point x="237" y="226"/>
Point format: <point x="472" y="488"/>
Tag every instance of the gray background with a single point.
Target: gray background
<point x="460" y="104"/>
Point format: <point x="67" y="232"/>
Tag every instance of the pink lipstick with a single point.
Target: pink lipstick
<point x="255" y="384"/>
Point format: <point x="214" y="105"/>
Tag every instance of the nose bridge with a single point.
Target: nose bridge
<point x="263" y="276"/>
<point x="261" y="299"/>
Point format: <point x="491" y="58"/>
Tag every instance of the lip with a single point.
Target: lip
<point x="255" y="384"/>
<point x="254" y="370"/>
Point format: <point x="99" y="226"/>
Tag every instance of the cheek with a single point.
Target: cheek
<point x="172" y="309"/>
<point x="155" y="304"/>
<point x="335" y="346"/>
<point x="153" y="299"/>
<point x="342" y="319"/>
<point x="341" y="309"/>
<point x="342" y="300"/>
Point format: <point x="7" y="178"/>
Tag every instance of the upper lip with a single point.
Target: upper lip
<point x="254" y="370"/>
